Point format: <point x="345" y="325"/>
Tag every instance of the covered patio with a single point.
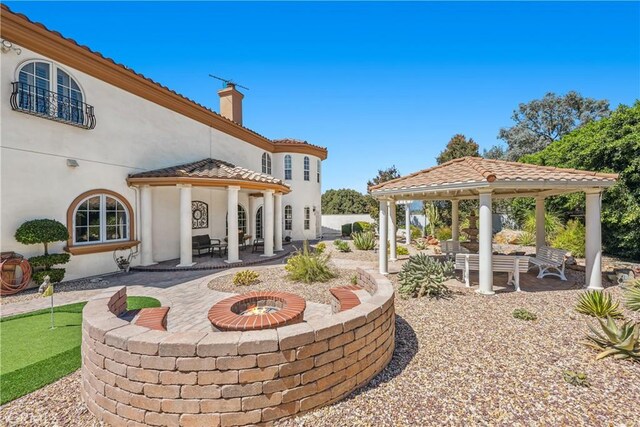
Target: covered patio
<point x="484" y="179"/>
<point x="222" y="178"/>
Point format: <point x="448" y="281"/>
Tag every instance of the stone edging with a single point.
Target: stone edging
<point x="132" y="375"/>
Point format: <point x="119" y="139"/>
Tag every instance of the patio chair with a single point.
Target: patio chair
<point x="204" y="243"/>
<point x="257" y="243"/>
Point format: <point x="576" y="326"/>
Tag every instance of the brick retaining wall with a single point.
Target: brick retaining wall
<point x="134" y="376"/>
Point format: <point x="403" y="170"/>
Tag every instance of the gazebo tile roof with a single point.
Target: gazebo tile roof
<point x="474" y="170"/>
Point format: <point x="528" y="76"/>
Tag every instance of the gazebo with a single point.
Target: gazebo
<point x="475" y="177"/>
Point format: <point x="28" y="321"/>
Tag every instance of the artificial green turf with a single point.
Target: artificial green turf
<point x="33" y="355"/>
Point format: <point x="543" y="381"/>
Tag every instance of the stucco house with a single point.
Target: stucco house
<point x="126" y="162"/>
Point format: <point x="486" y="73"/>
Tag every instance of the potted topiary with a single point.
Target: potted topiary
<point x="44" y="231"/>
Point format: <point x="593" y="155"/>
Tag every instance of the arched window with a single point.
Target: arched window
<point x="306" y="168"/>
<point x="242" y="221"/>
<point x="287" y="167"/>
<point x="307" y="218"/>
<point x="45" y="89"/>
<point x="100" y="218"/>
<point x="266" y="163"/>
<point x="288" y="218"/>
<point x="318" y="170"/>
<point x="259" y="229"/>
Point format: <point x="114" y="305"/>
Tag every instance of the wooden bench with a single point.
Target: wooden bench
<point x="550" y="258"/>
<point x="512" y="265"/>
<point x="153" y="318"/>
<point x="344" y="298"/>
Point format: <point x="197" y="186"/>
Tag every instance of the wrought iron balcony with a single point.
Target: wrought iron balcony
<point x="44" y="103"/>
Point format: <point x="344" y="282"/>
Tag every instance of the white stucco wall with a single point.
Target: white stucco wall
<point x="131" y="135"/>
<point x="332" y="224"/>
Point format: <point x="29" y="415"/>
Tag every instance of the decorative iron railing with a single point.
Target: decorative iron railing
<point x="51" y="105"/>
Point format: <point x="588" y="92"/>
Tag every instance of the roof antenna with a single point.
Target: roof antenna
<point x="228" y="82"/>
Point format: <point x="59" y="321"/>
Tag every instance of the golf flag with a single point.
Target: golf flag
<point x="49" y="291"/>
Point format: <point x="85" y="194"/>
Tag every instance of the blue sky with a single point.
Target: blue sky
<point x="378" y="84"/>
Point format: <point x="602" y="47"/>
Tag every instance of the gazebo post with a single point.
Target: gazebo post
<point x="455" y="221"/>
<point x="393" y="256"/>
<point x="540" y="230"/>
<point x="383" y="228"/>
<point x="407" y="223"/>
<point x="485" y="244"/>
<point x="593" y="237"/>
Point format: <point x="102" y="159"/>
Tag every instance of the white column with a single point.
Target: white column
<point x="233" y="252"/>
<point x="485" y="234"/>
<point x="146" y="225"/>
<point x="593" y="244"/>
<point x="407" y="222"/>
<point x="267" y="211"/>
<point x="383" y="228"/>
<point x="253" y="203"/>
<point x="455" y="220"/>
<point x="278" y="221"/>
<point x="393" y="255"/>
<point x="540" y="233"/>
<point x="185" y="226"/>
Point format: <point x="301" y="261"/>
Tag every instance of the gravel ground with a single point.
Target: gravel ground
<point x="274" y="279"/>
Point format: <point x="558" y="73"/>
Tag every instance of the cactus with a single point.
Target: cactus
<point x="619" y="342"/>
<point x="422" y="275"/>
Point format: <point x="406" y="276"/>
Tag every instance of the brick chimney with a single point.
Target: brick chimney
<point x="231" y="103"/>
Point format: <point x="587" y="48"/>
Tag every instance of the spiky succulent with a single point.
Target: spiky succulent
<point x="632" y="296"/>
<point x="598" y="304"/>
<point x="619" y="342"/>
<point x="364" y="241"/>
<point x="422" y="275"/>
<point x="523" y="314"/>
<point x="245" y="278"/>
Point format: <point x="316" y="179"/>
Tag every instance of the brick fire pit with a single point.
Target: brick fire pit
<point x="257" y="310"/>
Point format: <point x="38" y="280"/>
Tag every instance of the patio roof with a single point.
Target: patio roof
<point x="209" y="173"/>
<point x="463" y="178"/>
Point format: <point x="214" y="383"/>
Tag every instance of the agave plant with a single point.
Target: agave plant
<point x="632" y="296"/>
<point x="422" y="275"/>
<point x="598" y="304"/>
<point x="364" y="241"/>
<point x="619" y="342"/>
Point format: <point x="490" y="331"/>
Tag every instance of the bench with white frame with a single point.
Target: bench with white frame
<point x="547" y="258"/>
<point x="513" y="265"/>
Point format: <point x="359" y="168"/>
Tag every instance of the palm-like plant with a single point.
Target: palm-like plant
<point x="364" y="241"/>
<point x="598" y="304"/>
<point x="619" y="342"/>
<point x="632" y="296"/>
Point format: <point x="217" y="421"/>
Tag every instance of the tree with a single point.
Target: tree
<point x="385" y="175"/>
<point x="344" y="201"/>
<point x="540" y="122"/>
<point x="44" y="231"/>
<point x="496" y="152"/>
<point x="608" y="145"/>
<point x="458" y="146"/>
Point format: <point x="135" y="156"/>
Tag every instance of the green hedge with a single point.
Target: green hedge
<point x="347" y="229"/>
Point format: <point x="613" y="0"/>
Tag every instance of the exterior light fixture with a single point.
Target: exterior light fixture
<point x="7" y="46"/>
<point x="72" y="163"/>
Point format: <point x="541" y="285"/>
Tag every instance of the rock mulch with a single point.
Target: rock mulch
<point x="275" y="279"/>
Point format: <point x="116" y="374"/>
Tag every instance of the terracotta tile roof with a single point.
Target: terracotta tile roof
<point x="209" y="168"/>
<point x="477" y="170"/>
<point x="291" y="141"/>
<point x="4" y="8"/>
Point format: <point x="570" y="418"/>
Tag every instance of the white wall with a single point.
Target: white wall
<point x="332" y="224"/>
<point x="131" y="135"/>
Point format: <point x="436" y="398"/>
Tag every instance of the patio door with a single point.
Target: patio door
<point x="259" y="224"/>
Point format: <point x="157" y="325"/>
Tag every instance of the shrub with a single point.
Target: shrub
<point x="422" y="244"/>
<point x="364" y="241"/>
<point x="402" y="250"/>
<point x="523" y="314"/>
<point x="347" y="230"/>
<point x="360" y="226"/>
<point x="245" y="278"/>
<point x="305" y="266"/>
<point x="443" y="233"/>
<point x="620" y="342"/>
<point x="576" y="378"/>
<point x="44" y="231"/>
<point x="343" y="246"/>
<point x="337" y="242"/>
<point x="354" y="279"/>
<point x="632" y="296"/>
<point x="597" y="304"/>
<point x="416" y="232"/>
<point x="571" y="238"/>
<point x="422" y="275"/>
<point x="320" y="247"/>
<point x="526" y="239"/>
<point x="552" y="223"/>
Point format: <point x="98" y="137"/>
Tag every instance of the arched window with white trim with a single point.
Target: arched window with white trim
<point x="306" y="168"/>
<point x="288" y="173"/>
<point x="288" y="218"/>
<point x="242" y="221"/>
<point x="266" y="163"/>
<point x="101" y="218"/>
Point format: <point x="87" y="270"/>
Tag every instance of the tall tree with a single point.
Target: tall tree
<point x="458" y="146"/>
<point x="496" y="152"/>
<point x="540" y="122"/>
<point x="385" y="175"/>
<point x="344" y="201"/>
